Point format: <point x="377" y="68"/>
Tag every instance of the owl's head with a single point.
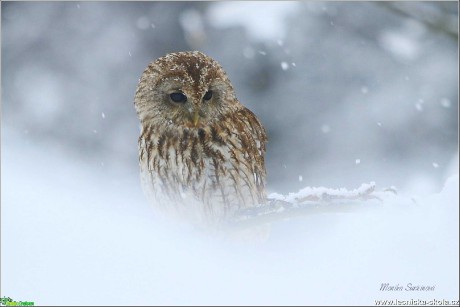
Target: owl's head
<point x="187" y="89"/>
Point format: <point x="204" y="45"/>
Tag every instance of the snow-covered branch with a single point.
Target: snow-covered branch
<point x="309" y="201"/>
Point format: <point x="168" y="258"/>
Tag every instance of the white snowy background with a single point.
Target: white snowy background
<point x="350" y="93"/>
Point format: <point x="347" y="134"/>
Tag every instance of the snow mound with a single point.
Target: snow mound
<point x="77" y="234"/>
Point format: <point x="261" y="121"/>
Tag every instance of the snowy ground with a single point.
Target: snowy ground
<point x="76" y="234"/>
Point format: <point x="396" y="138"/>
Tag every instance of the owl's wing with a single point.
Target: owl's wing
<point x="254" y="141"/>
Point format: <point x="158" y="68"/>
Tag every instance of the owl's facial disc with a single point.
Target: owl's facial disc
<point x="188" y="108"/>
<point x="192" y="107"/>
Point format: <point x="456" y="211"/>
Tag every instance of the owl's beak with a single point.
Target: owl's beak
<point x="195" y="118"/>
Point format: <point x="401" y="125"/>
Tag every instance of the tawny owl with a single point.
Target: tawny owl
<point x="201" y="152"/>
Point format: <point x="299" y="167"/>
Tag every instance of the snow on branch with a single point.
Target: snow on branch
<point x="308" y="201"/>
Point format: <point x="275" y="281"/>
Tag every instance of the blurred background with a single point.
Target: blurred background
<point x="349" y="92"/>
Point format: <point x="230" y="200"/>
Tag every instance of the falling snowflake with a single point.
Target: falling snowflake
<point x="419" y="105"/>
<point x="445" y="102"/>
<point x="325" y="128"/>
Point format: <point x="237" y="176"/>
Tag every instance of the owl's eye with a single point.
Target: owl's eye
<point x="178" y="97"/>
<point x="208" y="95"/>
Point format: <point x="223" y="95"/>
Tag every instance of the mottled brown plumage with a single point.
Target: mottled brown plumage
<point x="203" y="158"/>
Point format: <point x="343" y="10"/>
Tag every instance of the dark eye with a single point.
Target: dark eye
<point x="208" y="95"/>
<point x="178" y="97"/>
